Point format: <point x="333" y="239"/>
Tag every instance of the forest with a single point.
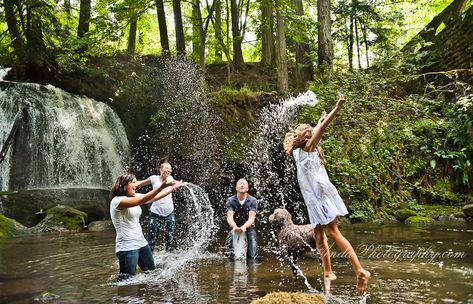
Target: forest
<point x="403" y="142"/>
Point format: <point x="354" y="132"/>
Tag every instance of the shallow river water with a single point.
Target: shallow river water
<point x="409" y="264"/>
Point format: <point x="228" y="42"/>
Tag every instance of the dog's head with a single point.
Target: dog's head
<point x="280" y="218"/>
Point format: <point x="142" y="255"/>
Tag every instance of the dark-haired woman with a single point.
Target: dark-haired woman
<point x="131" y="246"/>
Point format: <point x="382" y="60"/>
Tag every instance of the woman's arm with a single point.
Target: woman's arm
<point x="151" y="196"/>
<point x="324" y="121"/>
<point x="144" y="182"/>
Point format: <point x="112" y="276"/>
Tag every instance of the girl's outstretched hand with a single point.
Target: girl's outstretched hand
<point x="341" y="99"/>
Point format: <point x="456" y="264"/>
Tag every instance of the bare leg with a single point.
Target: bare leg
<point x="362" y="276"/>
<point x="324" y="251"/>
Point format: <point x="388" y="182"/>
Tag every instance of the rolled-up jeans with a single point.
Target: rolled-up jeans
<point x="251" y="251"/>
<point x="155" y="222"/>
<point x="129" y="259"/>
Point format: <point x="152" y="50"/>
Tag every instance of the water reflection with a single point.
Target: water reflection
<point x="79" y="268"/>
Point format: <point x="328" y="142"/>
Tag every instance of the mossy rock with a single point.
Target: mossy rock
<point x="403" y="214"/>
<point x="419" y="220"/>
<point x="62" y="219"/>
<point x="11" y="228"/>
<point x="289" y="298"/>
<point x="468" y="210"/>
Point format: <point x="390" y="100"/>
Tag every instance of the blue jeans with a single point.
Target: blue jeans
<point x="251" y="251"/>
<point x="128" y="260"/>
<point x="155" y="222"/>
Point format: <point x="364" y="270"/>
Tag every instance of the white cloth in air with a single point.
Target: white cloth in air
<point x="321" y="197"/>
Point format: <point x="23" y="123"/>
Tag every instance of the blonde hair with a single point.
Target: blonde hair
<point x="292" y="142"/>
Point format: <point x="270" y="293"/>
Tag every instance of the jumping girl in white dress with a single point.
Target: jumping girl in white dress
<point x="321" y="197"/>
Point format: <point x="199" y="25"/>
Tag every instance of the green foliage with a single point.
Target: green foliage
<point x="419" y="220"/>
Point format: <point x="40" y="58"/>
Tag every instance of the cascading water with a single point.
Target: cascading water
<point x="195" y="229"/>
<point x="270" y="171"/>
<point x="62" y="140"/>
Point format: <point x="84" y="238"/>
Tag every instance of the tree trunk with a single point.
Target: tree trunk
<point x="163" y="31"/>
<point x="34" y="39"/>
<point x="132" y="36"/>
<point x="350" y="44"/>
<point x="15" y="37"/>
<point x="236" y="34"/>
<point x="67" y="6"/>
<point x="365" y="41"/>
<point x="84" y="18"/>
<point x="267" y="37"/>
<point x="283" y="79"/>
<point x="325" y="47"/>
<point x="218" y="30"/>
<point x="180" y="40"/>
<point x="304" y="68"/>
<point x="357" y="44"/>
<point x="196" y="30"/>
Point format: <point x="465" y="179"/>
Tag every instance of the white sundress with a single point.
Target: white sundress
<point x="321" y="197"/>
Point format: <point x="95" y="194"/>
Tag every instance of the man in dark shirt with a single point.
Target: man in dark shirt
<point x="241" y="214"/>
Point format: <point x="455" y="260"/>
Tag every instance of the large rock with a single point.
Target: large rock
<point x="468" y="210"/>
<point x="62" y="219"/>
<point x="290" y="298"/>
<point x="26" y="206"/>
<point x="11" y="228"/>
<point x="403" y="214"/>
<point x="101" y="226"/>
<point x="419" y="220"/>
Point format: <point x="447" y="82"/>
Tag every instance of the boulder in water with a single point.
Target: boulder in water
<point x="11" y="228"/>
<point x="290" y="297"/>
<point x="97" y="226"/>
<point x="403" y="214"/>
<point x="62" y="219"/>
<point x="468" y="210"/>
<point x="419" y="220"/>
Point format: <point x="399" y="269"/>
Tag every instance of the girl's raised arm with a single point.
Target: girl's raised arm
<point x="324" y="121"/>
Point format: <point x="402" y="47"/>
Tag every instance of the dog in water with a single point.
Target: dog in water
<point x="294" y="240"/>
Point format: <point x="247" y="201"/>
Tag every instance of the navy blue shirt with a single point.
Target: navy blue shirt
<point x="241" y="212"/>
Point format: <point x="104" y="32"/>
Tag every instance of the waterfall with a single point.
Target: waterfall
<point x="60" y="140"/>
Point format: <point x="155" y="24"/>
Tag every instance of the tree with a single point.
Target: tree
<point x="16" y="39"/>
<point x="163" y="31"/>
<point x="304" y="67"/>
<point x="325" y="46"/>
<point x="238" y="29"/>
<point x="217" y="25"/>
<point x="180" y="40"/>
<point x="267" y="36"/>
<point x="84" y="18"/>
<point x="132" y="36"/>
<point x="283" y="79"/>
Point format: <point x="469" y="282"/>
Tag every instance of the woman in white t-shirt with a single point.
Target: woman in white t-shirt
<point x="131" y="246"/>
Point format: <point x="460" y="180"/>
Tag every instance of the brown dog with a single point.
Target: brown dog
<point x="294" y="240"/>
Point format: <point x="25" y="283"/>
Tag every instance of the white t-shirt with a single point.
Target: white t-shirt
<point x="127" y="224"/>
<point x="165" y="205"/>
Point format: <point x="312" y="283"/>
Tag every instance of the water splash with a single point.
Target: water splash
<point x="200" y="228"/>
<point x="270" y="171"/>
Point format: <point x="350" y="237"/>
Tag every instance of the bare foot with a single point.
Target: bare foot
<point x="328" y="278"/>
<point x="362" y="281"/>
